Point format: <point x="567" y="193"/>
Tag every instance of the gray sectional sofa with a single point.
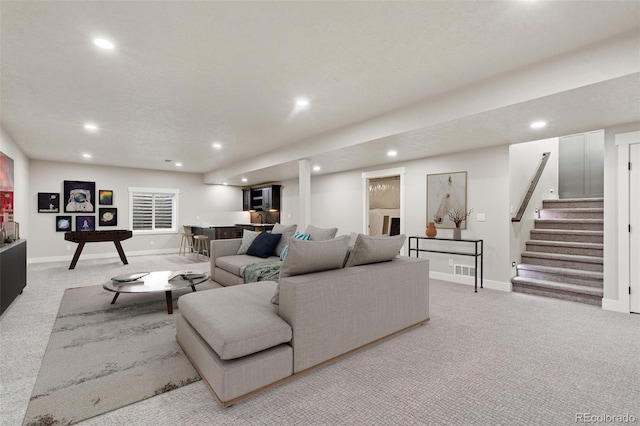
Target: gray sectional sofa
<point x="229" y="258"/>
<point x="242" y="343"/>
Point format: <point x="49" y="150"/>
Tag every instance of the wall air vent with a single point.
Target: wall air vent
<point x="467" y="271"/>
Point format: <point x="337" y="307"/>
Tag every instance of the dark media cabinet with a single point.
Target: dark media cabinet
<point x="13" y="272"/>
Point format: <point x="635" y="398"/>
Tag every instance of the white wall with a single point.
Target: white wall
<point x="524" y="160"/>
<point x="199" y="204"/>
<point x="21" y="182"/>
<point x="338" y="200"/>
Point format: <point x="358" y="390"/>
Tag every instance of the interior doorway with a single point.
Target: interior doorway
<point x="384" y="206"/>
<point x="383" y="202"/>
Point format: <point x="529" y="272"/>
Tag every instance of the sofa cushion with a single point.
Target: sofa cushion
<point x="287" y="232"/>
<point x="373" y="249"/>
<point x="264" y="245"/>
<point x="321" y="234"/>
<point x="305" y="257"/>
<point x="247" y="239"/>
<point x="236" y="264"/>
<point x="236" y="321"/>
<point x="297" y="236"/>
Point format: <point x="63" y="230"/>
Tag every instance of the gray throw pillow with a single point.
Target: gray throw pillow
<point x="321" y="234"/>
<point x="305" y="257"/>
<point x="381" y="248"/>
<point x="247" y="239"/>
<point x="287" y="232"/>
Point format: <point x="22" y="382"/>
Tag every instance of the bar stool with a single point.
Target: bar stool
<point x="201" y="245"/>
<point x="186" y="242"/>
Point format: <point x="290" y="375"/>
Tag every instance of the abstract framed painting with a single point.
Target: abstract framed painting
<point x="105" y="197"/>
<point x="107" y="216"/>
<point x="79" y="196"/>
<point x="446" y="192"/>
<point x="48" y="202"/>
<point x="63" y="223"/>
<point x="85" y="223"/>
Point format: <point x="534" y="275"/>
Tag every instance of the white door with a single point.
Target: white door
<point x="634" y="220"/>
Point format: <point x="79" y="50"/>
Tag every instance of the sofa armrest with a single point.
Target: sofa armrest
<point x="220" y="248"/>
<point x="334" y="312"/>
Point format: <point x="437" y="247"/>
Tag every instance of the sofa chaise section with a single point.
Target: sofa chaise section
<point x="327" y="314"/>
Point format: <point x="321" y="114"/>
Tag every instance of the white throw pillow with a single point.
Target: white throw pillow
<point x="247" y="239"/>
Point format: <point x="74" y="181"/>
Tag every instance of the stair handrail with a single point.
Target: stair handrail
<point x="532" y="187"/>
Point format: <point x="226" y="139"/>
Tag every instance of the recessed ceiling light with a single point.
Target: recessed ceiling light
<point x="178" y="164"/>
<point x="86" y="155"/>
<point x="316" y="168"/>
<point x="244" y="179"/>
<point x="538" y="124"/>
<point x="302" y="102"/>
<point x="103" y="43"/>
<point x="90" y="127"/>
<point x="217" y="145"/>
<point x="392" y="153"/>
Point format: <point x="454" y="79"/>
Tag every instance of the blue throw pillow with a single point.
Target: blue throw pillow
<point x="298" y="236"/>
<point x="264" y="244"/>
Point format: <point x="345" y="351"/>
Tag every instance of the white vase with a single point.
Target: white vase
<point x="457" y="234"/>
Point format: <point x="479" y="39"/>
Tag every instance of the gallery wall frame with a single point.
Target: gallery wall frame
<point x="108" y="216"/>
<point x="85" y="223"/>
<point x="48" y="202"/>
<point x="446" y="191"/>
<point x="79" y="196"/>
<point x="105" y="197"/>
<point x="64" y="223"/>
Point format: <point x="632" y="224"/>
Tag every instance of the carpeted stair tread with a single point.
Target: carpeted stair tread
<point x="576" y="209"/>
<point x="562" y="271"/>
<point x="574" y="203"/>
<point x="550" y="285"/>
<point x="571" y="244"/>
<point x="565" y="257"/>
<point x="568" y="231"/>
<point x="565" y="220"/>
<point x="575" y="200"/>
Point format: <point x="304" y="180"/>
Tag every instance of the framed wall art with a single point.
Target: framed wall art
<point x="6" y="188"/>
<point x="105" y="197"/>
<point x="48" y="202"/>
<point x="85" y="223"/>
<point x="79" y="196"/>
<point x="446" y="192"/>
<point x="107" y="216"/>
<point x="63" y="223"/>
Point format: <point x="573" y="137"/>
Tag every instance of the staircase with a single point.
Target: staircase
<point x="563" y="258"/>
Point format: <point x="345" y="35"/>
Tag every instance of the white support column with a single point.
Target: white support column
<point x="304" y="184"/>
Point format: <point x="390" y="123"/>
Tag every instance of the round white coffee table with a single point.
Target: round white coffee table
<point x="158" y="281"/>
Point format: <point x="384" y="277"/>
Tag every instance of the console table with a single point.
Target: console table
<point x="478" y="252"/>
<point x="82" y="237"/>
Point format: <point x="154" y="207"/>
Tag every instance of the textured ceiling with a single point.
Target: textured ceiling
<point x="186" y="74"/>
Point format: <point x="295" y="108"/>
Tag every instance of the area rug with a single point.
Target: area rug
<point x="102" y="356"/>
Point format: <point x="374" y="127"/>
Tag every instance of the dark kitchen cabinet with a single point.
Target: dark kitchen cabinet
<point x="261" y="198"/>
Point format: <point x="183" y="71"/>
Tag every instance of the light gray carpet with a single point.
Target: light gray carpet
<point x="101" y="357"/>
<point x="486" y="358"/>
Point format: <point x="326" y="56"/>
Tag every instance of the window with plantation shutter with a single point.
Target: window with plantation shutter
<point x="153" y="210"/>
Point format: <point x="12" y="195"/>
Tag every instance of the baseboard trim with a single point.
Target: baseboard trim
<point x="615" y="305"/>
<point x="491" y="284"/>
<point x="98" y="255"/>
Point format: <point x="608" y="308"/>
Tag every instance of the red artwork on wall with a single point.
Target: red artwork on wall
<point x="6" y="189"/>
